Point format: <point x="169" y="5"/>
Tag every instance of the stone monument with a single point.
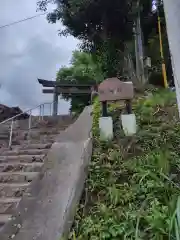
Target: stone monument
<point x="112" y="89"/>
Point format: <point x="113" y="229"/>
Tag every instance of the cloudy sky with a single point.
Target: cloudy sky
<point x="29" y="50"/>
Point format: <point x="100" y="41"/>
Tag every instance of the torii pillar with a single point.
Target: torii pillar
<point x="53" y="89"/>
<point x="67" y="88"/>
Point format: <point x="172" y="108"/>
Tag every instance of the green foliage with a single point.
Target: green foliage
<point x="102" y="27"/>
<point x="94" y="20"/>
<point x="105" y="28"/>
<point x="132" y="191"/>
<point x="83" y="69"/>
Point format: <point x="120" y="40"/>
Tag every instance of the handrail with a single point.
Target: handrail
<point x="29" y="110"/>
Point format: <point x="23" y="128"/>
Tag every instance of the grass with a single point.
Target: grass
<point x="133" y="187"/>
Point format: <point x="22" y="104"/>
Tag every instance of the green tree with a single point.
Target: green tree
<point x="83" y="69"/>
<point x="105" y="27"/>
<point x="102" y="26"/>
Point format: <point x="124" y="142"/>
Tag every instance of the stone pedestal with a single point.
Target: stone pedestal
<point x="106" y="128"/>
<point x="129" y="124"/>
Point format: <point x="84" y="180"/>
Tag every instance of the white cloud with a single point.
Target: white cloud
<point x="29" y="50"/>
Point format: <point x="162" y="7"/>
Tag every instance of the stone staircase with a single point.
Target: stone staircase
<point x="23" y="161"/>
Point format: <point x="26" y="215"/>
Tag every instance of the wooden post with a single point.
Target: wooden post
<point x="128" y="107"/>
<point x="55" y="102"/>
<point x="104" y="109"/>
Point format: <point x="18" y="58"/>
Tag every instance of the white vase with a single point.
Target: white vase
<point x="129" y="124"/>
<point x="106" y="128"/>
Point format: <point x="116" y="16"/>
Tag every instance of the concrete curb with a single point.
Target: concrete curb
<point x="47" y="209"/>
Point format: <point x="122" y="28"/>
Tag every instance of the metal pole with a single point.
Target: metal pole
<point x="39" y="112"/>
<point x="161" y="52"/>
<point x="42" y="111"/>
<point x="50" y="109"/>
<point x="29" y="124"/>
<point x="11" y="132"/>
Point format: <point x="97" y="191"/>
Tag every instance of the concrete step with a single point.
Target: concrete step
<point x="24" y="152"/>
<point x="36" y="146"/>
<point x="14" y="185"/>
<point x="17" y="176"/>
<point x="39" y="139"/>
<point x="47" y="137"/>
<point x="5" y="200"/>
<point x="4" y="136"/>
<point x="4" y="218"/>
<point x="22" y="158"/>
<point x="36" y="141"/>
<point x="43" y="140"/>
<point x="7" y="204"/>
<point x="46" y="121"/>
<point x="31" y="135"/>
<point x="26" y="146"/>
<point x="13" y="189"/>
<point x="19" y="166"/>
<point x="47" y="130"/>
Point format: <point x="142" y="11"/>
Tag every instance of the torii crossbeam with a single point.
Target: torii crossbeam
<point x="57" y="88"/>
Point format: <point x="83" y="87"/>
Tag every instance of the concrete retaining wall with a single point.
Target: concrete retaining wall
<point x="47" y="210"/>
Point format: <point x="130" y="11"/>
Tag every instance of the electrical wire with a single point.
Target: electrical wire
<point x="22" y="20"/>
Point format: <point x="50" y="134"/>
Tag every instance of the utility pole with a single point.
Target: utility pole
<point x="171" y="9"/>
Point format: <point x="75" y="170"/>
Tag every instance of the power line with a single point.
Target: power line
<point x="22" y="20"/>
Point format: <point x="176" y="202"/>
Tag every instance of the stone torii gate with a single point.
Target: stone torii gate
<point x="55" y="88"/>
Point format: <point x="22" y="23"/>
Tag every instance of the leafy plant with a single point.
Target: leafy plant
<point x="83" y="70"/>
<point x="133" y="184"/>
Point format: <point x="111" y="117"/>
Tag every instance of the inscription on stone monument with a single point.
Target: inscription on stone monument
<point x="113" y="89"/>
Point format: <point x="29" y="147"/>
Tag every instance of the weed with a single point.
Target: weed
<point x="132" y="191"/>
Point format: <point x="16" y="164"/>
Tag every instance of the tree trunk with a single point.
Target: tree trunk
<point x="171" y="9"/>
<point x="140" y="48"/>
